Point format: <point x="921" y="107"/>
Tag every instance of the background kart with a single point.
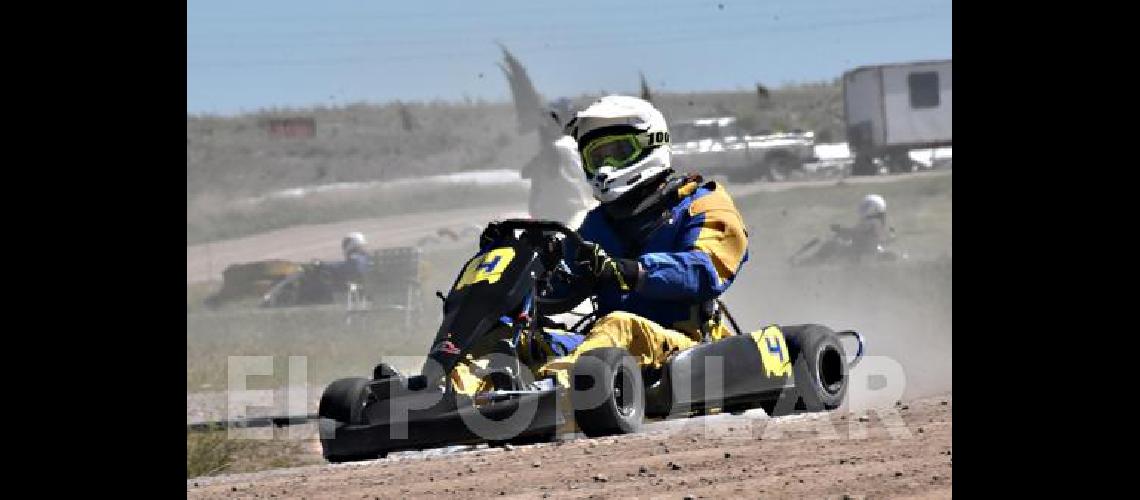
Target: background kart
<point x="280" y="283"/>
<point x="841" y="247"/>
<point x="780" y="369"/>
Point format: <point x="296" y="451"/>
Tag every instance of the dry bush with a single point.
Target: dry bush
<point x="215" y="452"/>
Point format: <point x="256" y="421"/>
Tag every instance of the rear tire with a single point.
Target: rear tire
<point x="344" y="399"/>
<point x="611" y="375"/>
<point x="819" y="366"/>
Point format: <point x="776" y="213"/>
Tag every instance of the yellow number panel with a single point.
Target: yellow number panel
<point x="773" y="351"/>
<point x="487" y="267"/>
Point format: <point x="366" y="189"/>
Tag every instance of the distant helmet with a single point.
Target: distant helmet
<point x="623" y="141"/>
<point x="353" y="241"/>
<point x="872" y="205"/>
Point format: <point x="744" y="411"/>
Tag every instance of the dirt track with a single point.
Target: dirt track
<point x="804" y="456"/>
<point x="206" y="261"/>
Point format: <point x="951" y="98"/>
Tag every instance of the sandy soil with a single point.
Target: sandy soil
<point x="824" y="455"/>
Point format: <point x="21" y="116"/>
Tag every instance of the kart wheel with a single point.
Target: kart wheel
<point x="819" y="366"/>
<point x="608" y="394"/>
<point x="343" y="400"/>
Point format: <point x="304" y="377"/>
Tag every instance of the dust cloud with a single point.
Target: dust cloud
<point x="902" y="308"/>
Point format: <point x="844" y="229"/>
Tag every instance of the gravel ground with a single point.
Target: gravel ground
<point x="827" y="455"/>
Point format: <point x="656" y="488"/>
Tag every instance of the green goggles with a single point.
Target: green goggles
<point x="616" y="151"/>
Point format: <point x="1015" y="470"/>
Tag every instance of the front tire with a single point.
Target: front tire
<point x="608" y="392"/>
<point x="819" y="367"/>
<point x="344" y="399"/>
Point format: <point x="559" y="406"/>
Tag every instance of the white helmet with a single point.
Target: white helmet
<point x="623" y="141"/>
<point x="872" y="205"/>
<point x="353" y="241"/>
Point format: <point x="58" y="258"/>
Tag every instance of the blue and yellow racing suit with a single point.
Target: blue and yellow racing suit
<point x="690" y="250"/>
<point x="691" y="247"/>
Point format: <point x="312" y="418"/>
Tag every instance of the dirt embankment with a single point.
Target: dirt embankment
<point x="806" y="456"/>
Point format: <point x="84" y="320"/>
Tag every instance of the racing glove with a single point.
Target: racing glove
<point x="624" y="273"/>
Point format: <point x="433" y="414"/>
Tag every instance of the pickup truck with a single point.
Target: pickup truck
<point x="719" y="146"/>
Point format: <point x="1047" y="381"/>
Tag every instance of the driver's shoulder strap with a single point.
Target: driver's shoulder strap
<point x="634" y="233"/>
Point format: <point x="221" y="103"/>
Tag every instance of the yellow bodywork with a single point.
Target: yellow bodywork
<point x="773" y="351"/>
<point x="487" y="267"/>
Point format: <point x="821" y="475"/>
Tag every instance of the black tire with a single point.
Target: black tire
<point x="343" y="400"/>
<point x="622" y="392"/>
<point x="819" y="366"/>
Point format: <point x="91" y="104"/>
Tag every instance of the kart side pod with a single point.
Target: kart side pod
<point x="727" y="372"/>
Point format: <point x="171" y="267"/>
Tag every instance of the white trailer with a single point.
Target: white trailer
<point x="891" y="109"/>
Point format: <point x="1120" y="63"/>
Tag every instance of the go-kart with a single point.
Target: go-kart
<point x="521" y="280"/>
<point x="315" y="282"/>
<point x="843" y="246"/>
<point x="251" y="279"/>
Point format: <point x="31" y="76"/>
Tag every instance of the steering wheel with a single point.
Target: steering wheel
<point x="539" y="233"/>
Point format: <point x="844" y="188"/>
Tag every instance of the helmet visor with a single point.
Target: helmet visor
<point x="613" y="150"/>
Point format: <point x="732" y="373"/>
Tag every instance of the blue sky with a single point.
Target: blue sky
<point x="251" y="54"/>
